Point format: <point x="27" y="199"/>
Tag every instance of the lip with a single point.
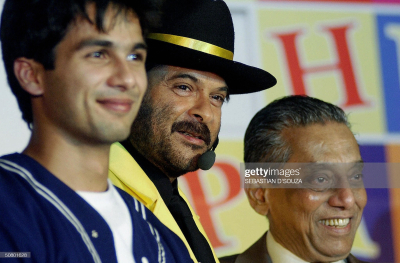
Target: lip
<point x="191" y="139"/>
<point x="117" y="105"/>
<point x="337" y="230"/>
<point x="337" y="217"/>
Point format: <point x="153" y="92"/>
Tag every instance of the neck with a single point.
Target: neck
<point x="279" y="252"/>
<point x="81" y="166"/>
<point x="144" y="158"/>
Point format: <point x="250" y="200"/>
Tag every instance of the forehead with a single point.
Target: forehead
<point x="329" y="142"/>
<point x="121" y="31"/>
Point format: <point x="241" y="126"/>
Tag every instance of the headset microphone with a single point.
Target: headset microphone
<point x="207" y="159"/>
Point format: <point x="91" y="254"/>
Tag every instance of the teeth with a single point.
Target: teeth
<point x="335" y="222"/>
<point x="188" y="134"/>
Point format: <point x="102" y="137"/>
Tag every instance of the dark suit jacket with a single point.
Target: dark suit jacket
<point x="258" y="253"/>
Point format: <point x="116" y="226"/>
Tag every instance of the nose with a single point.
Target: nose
<point x="122" y="76"/>
<point x="343" y="198"/>
<point x="202" y="109"/>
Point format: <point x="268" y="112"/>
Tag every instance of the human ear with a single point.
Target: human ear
<point x="27" y="72"/>
<point x="258" y="199"/>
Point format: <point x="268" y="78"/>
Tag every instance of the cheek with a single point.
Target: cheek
<point x="177" y="108"/>
<point x="215" y="126"/>
<point x="163" y="114"/>
<point x="302" y="203"/>
<point x="141" y="80"/>
<point x="312" y="202"/>
<point x="361" y="198"/>
<point x="60" y="91"/>
<point x="313" y="198"/>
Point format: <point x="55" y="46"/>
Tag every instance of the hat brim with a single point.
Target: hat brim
<point x="240" y="78"/>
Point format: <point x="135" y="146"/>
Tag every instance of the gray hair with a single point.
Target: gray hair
<point x="263" y="141"/>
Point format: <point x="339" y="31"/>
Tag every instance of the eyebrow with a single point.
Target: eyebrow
<point x="106" y="43"/>
<point x="194" y="79"/>
<point x="224" y="89"/>
<point x="184" y="76"/>
<point x="325" y="165"/>
<point x="359" y="163"/>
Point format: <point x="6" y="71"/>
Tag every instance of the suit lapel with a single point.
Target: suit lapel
<point x="257" y="253"/>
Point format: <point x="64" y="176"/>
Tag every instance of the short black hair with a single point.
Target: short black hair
<point x="263" y="140"/>
<point x="33" y="28"/>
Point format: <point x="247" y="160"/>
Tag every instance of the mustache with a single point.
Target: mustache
<point x="200" y="129"/>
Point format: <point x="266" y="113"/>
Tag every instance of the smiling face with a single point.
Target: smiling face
<point x="319" y="226"/>
<point x="95" y="90"/>
<point x="179" y="119"/>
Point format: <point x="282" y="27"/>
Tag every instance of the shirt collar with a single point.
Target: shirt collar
<point x="159" y="179"/>
<point x="279" y="254"/>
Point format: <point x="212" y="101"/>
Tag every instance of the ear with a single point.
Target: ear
<point x="27" y="72"/>
<point x="258" y="199"/>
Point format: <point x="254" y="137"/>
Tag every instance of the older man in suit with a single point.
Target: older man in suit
<point x="315" y="219"/>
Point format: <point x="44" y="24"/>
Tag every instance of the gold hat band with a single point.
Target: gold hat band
<point x="193" y="44"/>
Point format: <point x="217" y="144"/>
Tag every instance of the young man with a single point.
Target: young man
<point x="191" y="73"/>
<point x="77" y="70"/>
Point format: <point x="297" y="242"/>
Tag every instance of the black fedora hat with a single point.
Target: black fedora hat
<point x="199" y="34"/>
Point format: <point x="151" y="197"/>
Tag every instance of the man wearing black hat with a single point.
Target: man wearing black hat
<point x="191" y="73"/>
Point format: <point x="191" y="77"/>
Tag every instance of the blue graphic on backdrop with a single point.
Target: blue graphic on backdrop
<point x="388" y="50"/>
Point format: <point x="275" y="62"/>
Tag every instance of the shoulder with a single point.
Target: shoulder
<point x="21" y="193"/>
<point x="14" y="180"/>
<point x="257" y="252"/>
<point x="20" y="178"/>
<point x="25" y="223"/>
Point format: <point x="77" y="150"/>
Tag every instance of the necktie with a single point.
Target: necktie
<point x="181" y="212"/>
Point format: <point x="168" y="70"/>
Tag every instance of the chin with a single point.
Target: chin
<point x="193" y="163"/>
<point x="115" y="136"/>
<point x="336" y="255"/>
<point x="182" y="166"/>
